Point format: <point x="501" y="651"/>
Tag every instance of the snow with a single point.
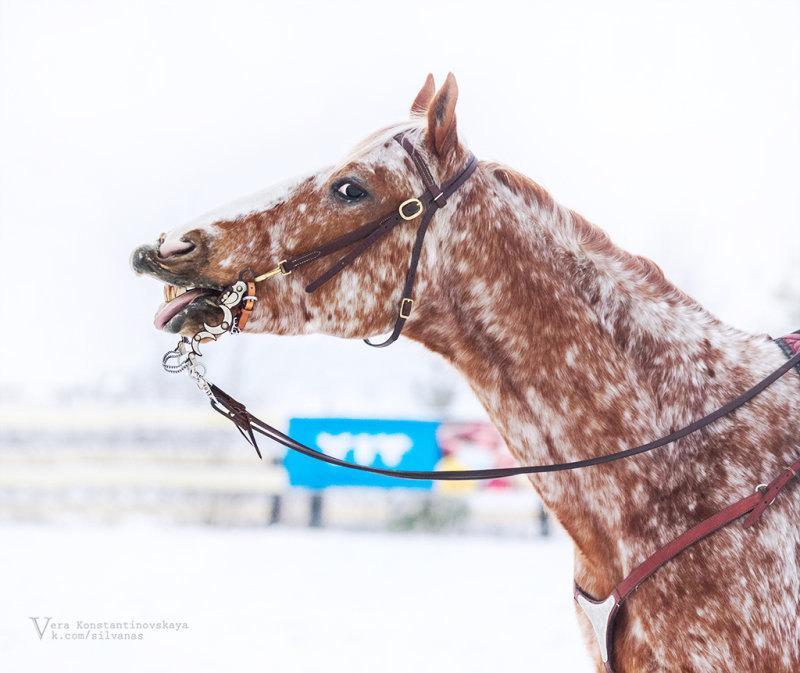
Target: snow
<point x="284" y="600"/>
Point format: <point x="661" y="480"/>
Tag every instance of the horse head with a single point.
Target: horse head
<point x="199" y="260"/>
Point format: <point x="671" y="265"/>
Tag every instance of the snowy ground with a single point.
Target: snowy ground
<point x="283" y="601"/>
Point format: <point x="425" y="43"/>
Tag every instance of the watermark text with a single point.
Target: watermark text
<point x="48" y="628"/>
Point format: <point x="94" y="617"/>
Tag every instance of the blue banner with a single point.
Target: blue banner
<point x="400" y="445"/>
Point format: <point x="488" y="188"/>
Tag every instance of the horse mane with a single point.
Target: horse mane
<point x="589" y="238"/>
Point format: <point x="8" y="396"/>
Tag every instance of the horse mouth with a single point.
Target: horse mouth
<point x="183" y="305"/>
<point x="190" y="299"/>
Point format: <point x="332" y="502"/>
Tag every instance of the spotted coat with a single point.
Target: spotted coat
<point x="576" y="348"/>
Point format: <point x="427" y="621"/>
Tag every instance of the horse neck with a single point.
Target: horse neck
<point x="577" y="348"/>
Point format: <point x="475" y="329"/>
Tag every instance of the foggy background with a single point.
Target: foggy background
<point x="672" y="125"/>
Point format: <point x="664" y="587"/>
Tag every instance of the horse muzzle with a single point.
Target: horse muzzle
<point x="191" y="300"/>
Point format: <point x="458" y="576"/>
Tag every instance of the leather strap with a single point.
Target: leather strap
<point x="249" y="301"/>
<point x="755" y="504"/>
<point x="431" y="203"/>
<point x="249" y="424"/>
<point x="406" y="302"/>
<point x="769" y="493"/>
<point x="439" y="197"/>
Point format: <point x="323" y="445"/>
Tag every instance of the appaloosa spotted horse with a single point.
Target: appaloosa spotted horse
<point x="575" y="347"/>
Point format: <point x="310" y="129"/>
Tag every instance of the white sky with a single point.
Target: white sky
<point x="673" y="125"/>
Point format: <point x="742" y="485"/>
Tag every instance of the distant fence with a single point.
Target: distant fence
<point x="106" y="463"/>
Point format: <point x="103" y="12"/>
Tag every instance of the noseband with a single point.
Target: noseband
<point x="238" y="300"/>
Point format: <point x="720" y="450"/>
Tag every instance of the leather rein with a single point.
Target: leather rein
<point x="238" y="300"/>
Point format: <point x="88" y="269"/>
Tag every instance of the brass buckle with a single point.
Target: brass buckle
<point x="274" y="272"/>
<point x="408" y="202"/>
<point x="406" y="313"/>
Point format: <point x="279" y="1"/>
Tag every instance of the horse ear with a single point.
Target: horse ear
<point x="420" y="105"/>
<point x="442" y="136"/>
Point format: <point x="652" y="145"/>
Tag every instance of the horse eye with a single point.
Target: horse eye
<point x="350" y="191"/>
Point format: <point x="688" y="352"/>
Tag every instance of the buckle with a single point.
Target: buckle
<point x="405" y="308"/>
<point x="280" y="269"/>
<point x="408" y="202"/>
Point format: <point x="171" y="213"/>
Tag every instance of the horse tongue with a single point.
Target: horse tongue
<point x="169" y="310"/>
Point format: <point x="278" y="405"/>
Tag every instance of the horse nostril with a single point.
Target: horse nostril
<point x="139" y="259"/>
<point x="175" y="247"/>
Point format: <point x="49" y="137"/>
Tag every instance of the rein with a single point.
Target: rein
<point x="241" y="297"/>
<point x="248" y="425"/>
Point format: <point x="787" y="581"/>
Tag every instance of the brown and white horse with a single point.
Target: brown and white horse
<point x="576" y="348"/>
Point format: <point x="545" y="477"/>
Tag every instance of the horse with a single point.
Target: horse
<point x="575" y="347"/>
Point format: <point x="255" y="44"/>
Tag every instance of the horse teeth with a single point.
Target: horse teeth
<point x="173" y="291"/>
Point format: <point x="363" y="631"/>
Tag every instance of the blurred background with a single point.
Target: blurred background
<point x="125" y="500"/>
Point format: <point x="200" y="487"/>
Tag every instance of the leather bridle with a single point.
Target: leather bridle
<point x="241" y="297"/>
<point x="423" y="207"/>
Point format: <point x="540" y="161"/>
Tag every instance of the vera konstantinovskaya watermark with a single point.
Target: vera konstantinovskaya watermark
<point x="78" y="629"/>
